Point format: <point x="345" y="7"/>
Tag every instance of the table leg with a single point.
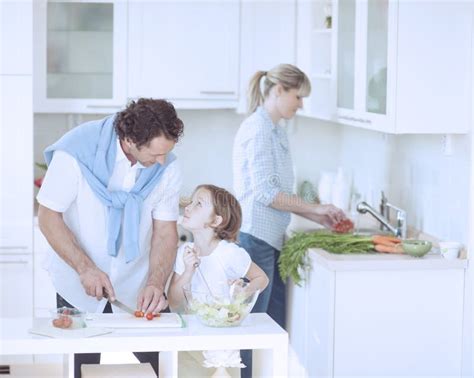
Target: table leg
<point x="168" y="364"/>
<point x="270" y="362"/>
<point x="68" y="365"/>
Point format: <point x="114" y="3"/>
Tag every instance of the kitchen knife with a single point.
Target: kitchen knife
<point x="119" y="304"/>
<point x="122" y="306"/>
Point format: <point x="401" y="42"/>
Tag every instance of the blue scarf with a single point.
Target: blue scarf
<point x="94" y="146"/>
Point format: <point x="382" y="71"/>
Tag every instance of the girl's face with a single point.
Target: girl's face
<point x="288" y="102"/>
<point x="199" y="214"/>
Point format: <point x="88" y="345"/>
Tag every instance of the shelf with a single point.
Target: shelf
<point x="322" y="31"/>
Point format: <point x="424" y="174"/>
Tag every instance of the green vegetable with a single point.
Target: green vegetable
<point x="294" y="259"/>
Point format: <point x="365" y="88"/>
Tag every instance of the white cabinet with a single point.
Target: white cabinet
<point x="16" y="279"/>
<point x="80" y="56"/>
<point x="267" y="33"/>
<point x="44" y="291"/>
<point x="184" y="51"/>
<point x="403" y="66"/>
<point x="16" y="164"/>
<point x="315" y="54"/>
<point x="369" y="315"/>
<point x="16" y="29"/>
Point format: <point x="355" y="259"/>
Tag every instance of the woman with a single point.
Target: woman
<point x="263" y="178"/>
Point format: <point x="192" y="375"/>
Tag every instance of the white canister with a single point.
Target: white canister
<point x="450" y="250"/>
<point x="325" y="187"/>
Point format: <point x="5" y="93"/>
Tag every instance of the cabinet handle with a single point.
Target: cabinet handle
<point x="23" y="262"/>
<point x="218" y="92"/>
<point x="15" y="248"/>
<point x="353" y="119"/>
<point x="105" y="106"/>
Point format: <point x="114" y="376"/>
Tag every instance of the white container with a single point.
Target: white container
<point x="325" y="187"/>
<point x="450" y="250"/>
<point x="341" y="190"/>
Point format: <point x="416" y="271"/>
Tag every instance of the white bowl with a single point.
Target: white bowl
<point x="450" y="250"/>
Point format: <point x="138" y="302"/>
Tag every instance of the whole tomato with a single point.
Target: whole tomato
<point x="344" y="226"/>
<point x="58" y="323"/>
<point x="149" y="316"/>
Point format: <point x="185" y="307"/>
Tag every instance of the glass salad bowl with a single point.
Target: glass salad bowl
<point x="224" y="308"/>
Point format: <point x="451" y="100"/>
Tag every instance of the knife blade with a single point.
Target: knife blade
<point x="123" y="306"/>
<point x="119" y="304"/>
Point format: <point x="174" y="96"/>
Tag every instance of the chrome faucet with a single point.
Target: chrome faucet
<point x="400" y="230"/>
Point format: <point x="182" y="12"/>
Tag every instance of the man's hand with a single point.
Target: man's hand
<point x="95" y="282"/>
<point x="151" y="299"/>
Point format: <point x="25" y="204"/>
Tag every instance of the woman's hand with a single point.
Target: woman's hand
<point x="327" y="215"/>
<point x="191" y="259"/>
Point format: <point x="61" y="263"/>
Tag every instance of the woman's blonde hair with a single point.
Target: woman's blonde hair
<point x="287" y="75"/>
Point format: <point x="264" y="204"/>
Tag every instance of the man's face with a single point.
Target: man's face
<point x="153" y="153"/>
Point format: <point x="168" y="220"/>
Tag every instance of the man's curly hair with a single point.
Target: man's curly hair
<point x="147" y="118"/>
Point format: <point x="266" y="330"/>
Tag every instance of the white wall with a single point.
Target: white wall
<point x="412" y="170"/>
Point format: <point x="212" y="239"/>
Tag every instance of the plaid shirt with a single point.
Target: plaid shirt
<point x="262" y="168"/>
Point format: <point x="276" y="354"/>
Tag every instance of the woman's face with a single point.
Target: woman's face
<point x="199" y="214"/>
<point x="288" y="102"/>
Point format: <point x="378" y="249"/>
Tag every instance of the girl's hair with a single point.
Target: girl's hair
<point x="287" y="75"/>
<point x="226" y="206"/>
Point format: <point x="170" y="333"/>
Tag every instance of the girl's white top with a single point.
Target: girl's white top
<point x="227" y="262"/>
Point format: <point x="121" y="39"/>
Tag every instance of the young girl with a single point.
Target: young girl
<point x="214" y="217"/>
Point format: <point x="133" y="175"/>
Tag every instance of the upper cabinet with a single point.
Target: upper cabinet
<point x="15" y="37"/>
<point x="80" y="56"/>
<point x="403" y="66"/>
<point x="184" y="51"/>
<point x="267" y="32"/>
<point x="315" y="47"/>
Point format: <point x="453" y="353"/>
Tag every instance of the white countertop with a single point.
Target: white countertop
<point x="383" y="261"/>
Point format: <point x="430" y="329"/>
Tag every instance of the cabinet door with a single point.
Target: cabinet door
<point x="16" y="30"/>
<point x="16" y="280"/>
<point x="265" y="44"/>
<point x="80" y="56"/>
<point x="44" y="291"/>
<point x="16" y="164"/>
<point x="186" y="50"/>
<point x="366" y="63"/>
<point x="434" y="67"/>
<point x="399" y="323"/>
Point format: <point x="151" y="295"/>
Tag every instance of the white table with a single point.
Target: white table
<point x="258" y="332"/>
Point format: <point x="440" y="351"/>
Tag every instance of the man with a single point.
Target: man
<point x="108" y="207"/>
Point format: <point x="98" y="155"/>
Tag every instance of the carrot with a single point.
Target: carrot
<point x="388" y="249"/>
<point x="385" y="240"/>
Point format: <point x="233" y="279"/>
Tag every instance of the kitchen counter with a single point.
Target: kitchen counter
<point x="258" y="332"/>
<point x="383" y="261"/>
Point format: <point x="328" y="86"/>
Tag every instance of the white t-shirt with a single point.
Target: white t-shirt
<point x="227" y="262"/>
<point x="65" y="190"/>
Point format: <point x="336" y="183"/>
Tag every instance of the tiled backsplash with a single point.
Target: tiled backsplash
<point x="411" y="169"/>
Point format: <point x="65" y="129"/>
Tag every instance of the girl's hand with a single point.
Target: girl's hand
<point x="191" y="259"/>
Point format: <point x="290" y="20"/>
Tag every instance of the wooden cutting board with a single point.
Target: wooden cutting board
<point x="122" y="320"/>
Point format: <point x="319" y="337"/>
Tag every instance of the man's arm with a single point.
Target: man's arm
<point x="64" y="243"/>
<point x="164" y="244"/>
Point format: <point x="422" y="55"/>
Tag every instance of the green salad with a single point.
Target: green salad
<point x="220" y="313"/>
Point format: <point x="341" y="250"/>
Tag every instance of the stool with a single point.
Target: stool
<point x="117" y="370"/>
